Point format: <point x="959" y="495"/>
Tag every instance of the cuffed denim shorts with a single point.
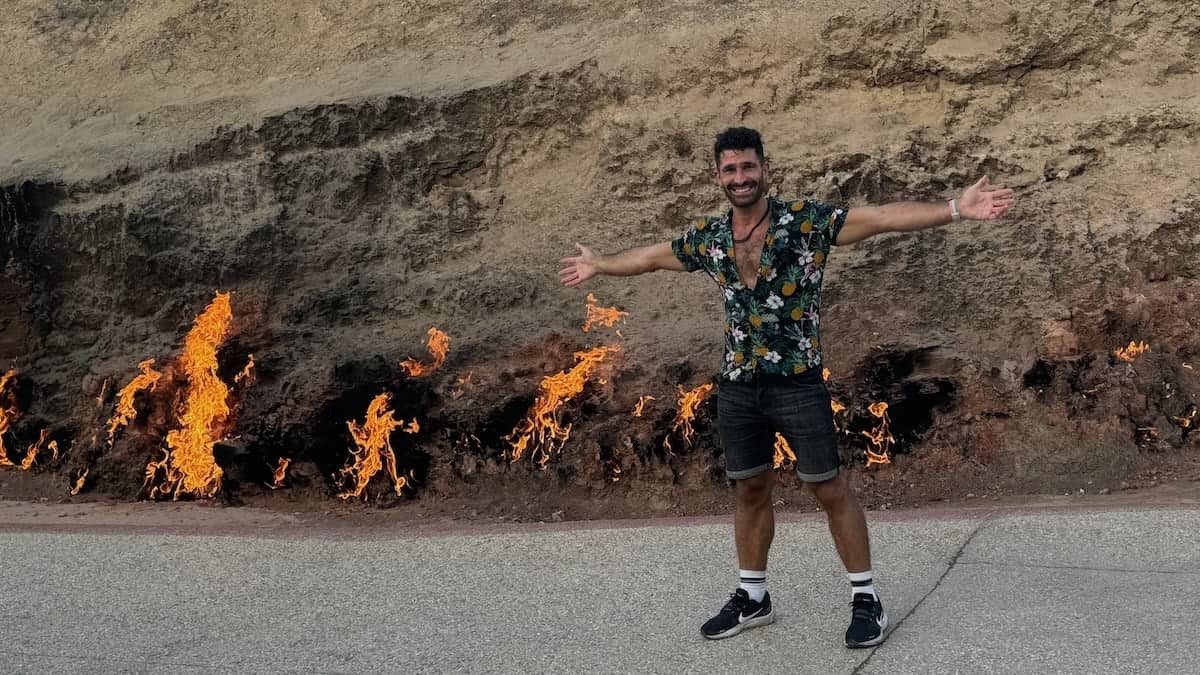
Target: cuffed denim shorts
<point x="750" y="413"/>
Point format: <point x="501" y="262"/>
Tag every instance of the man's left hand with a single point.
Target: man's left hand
<point x="982" y="202"/>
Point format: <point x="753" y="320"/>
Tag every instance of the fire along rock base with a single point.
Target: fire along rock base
<point x="407" y="170"/>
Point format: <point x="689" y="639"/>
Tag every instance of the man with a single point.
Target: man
<point x="768" y="256"/>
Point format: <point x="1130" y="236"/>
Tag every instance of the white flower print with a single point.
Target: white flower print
<point x="774" y="302"/>
<point x="728" y="293"/>
<point x="772" y="275"/>
<point x="737" y="334"/>
<point x="716" y="253"/>
<point x="773" y="357"/>
<point x="813" y="316"/>
<point x="804" y="256"/>
<point x="804" y="343"/>
<point x="786" y="218"/>
<point x="813" y="274"/>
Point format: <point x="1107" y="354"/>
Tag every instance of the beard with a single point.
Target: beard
<point x="757" y="191"/>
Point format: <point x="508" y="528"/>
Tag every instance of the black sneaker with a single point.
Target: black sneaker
<point x="868" y="621"/>
<point x="737" y="615"/>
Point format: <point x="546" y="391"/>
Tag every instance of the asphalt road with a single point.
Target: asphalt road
<point x="1034" y="591"/>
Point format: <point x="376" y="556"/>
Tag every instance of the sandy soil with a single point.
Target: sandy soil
<point x="357" y="171"/>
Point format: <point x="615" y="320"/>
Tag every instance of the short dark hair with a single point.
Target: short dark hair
<point x="738" y="138"/>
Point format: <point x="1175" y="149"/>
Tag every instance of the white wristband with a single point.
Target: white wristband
<point x="955" y="216"/>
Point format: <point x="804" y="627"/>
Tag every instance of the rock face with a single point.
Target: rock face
<point x="356" y="174"/>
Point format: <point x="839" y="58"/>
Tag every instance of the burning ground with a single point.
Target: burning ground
<point x="271" y="285"/>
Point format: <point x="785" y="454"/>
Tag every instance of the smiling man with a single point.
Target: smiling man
<point x="768" y="257"/>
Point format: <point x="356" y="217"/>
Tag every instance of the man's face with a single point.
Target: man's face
<point x="742" y="176"/>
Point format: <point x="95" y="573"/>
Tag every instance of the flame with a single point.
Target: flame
<point x="879" y="437"/>
<point x="641" y="405"/>
<point x="9" y="412"/>
<point x="783" y="452"/>
<point x="188" y="466"/>
<point x="146" y="380"/>
<point x="688" y="402"/>
<point x="280" y="473"/>
<point x="1134" y="350"/>
<point x="1189" y="421"/>
<point x="78" y="482"/>
<point x="374" y="440"/>
<point x="604" y="316"/>
<point x="541" y="432"/>
<point x="614" y="470"/>
<point x="31" y="455"/>
<point x="825" y="374"/>
<point x="438" y="345"/>
<point x="247" y="374"/>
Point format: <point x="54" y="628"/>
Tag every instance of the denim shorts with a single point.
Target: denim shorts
<point x="750" y="413"/>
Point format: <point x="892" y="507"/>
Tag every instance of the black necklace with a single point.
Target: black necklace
<point x="751" y="233"/>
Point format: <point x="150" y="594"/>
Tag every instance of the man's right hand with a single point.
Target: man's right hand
<point x="579" y="268"/>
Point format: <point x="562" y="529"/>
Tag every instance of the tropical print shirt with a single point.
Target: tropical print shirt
<point x="772" y="329"/>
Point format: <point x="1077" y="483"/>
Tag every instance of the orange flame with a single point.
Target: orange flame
<point x="603" y="316"/>
<point x="31" y="455"/>
<point x="641" y="405"/>
<point x="879" y="437"/>
<point x="373" y="439"/>
<point x="9" y="412"/>
<point x="1134" y="350"/>
<point x="438" y="345"/>
<point x="688" y="402"/>
<point x="78" y="482"/>
<point x="541" y="432"/>
<point x="280" y="473"/>
<point x="247" y="374"/>
<point x="783" y="452"/>
<point x="614" y="470"/>
<point x="188" y="466"/>
<point x="146" y="380"/>
<point x="825" y="374"/>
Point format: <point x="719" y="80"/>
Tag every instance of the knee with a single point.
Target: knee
<point x="834" y="494"/>
<point x="756" y="490"/>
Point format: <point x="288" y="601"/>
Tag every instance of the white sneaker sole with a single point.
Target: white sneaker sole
<point x="750" y="623"/>
<point x="883" y="624"/>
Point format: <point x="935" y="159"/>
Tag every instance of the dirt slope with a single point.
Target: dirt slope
<point x="358" y="171"/>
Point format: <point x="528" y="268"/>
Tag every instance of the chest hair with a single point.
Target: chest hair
<point x="749" y="255"/>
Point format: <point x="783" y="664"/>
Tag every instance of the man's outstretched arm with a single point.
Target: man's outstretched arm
<point x="978" y="202"/>
<point x="624" y="264"/>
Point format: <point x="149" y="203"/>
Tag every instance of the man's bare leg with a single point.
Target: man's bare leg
<point x="754" y="520"/>
<point x="847" y="523"/>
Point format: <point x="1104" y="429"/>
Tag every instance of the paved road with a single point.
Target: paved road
<point x="980" y="591"/>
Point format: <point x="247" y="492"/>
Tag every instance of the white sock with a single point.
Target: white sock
<point x="754" y="583"/>
<point x="862" y="582"/>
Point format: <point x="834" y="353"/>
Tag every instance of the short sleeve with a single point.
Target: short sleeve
<point x="827" y="217"/>
<point x="687" y="247"/>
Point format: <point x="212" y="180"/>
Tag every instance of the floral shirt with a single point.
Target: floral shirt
<point x="772" y="329"/>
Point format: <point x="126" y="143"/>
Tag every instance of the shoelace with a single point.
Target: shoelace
<point x="735" y="604"/>
<point x="863" y="609"/>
